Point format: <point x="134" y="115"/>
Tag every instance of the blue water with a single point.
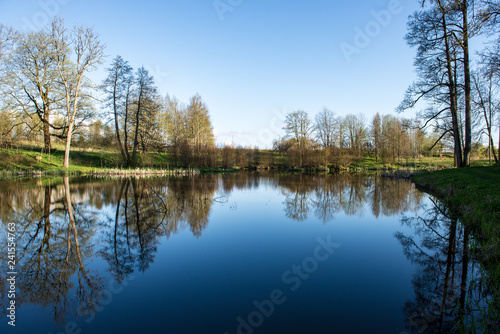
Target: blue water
<point x="213" y="254"/>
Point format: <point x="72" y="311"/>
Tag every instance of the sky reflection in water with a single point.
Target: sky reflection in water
<point x="230" y="254"/>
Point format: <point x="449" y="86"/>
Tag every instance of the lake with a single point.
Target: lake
<point x="243" y="253"/>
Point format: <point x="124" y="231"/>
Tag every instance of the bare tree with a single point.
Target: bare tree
<point x="340" y="130"/>
<point x="462" y="34"/>
<point x="118" y="87"/>
<point x="489" y="17"/>
<point x="7" y="37"/>
<point x="486" y="103"/>
<point x="375" y="133"/>
<point x="437" y="66"/>
<point x="88" y="52"/>
<point x="325" y="127"/>
<point x="460" y="21"/>
<point x="299" y="127"/>
<point x="31" y="85"/>
<point x="356" y="132"/>
<point x="396" y="142"/>
<point x="199" y="131"/>
<point x="174" y="125"/>
<point x="146" y="94"/>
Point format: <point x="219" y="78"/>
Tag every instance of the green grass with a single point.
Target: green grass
<point x="28" y="160"/>
<point x="16" y="162"/>
<point x="205" y="170"/>
<point x="419" y="163"/>
<point x="473" y="194"/>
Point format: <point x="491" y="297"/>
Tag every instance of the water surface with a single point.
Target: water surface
<point x="231" y="254"/>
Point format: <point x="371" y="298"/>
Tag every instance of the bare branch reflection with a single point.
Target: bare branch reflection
<point x="447" y="280"/>
<point x="64" y="225"/>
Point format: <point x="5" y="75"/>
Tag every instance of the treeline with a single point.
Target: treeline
<point x="46" y="96"/>
<point x="337" y="141"/>
<point x="144" y="120"/>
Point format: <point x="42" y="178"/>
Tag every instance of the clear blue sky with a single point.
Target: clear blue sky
<point x="251" y="60"/>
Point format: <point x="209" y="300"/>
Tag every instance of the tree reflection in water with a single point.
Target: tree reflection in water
<point x="350" y="194"/>
<point x="451" y="294"/>
<point x="63" y="226"/>
<point x="53" y="245"/>
<point x="147" y="211"/>
<point x="58" y="228"/>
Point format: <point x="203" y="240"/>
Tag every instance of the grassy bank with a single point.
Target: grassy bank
<point x="33" y="159"/>
<point x="32" y="163"/>
<point x="473" y="194"/>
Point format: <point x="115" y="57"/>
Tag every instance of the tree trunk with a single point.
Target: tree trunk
<point x="490" y="135"/>
<point x="488" y="119"/>
<point x="46" y="131"/>
<point x="68" y="145"/>
<point x="125" y="131"/>
<point x="137" y="119"/>
<point x="453" y="96"/>
<point x="467" y="88"/>
<point x="143" y="143"/>
<point x="117" y="127"/>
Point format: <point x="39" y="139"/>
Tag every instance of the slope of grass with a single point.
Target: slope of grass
<point x="419" y="163"/>
<point x="32" y="160"/>
<point x="474" y="192"/>
<point x="474" y="195"/>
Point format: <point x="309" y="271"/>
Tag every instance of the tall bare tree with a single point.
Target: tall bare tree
<point x="118" y="89"/>
<point x="299" y="127"/>
<point x="437" y="67"/>
<point x="199" y="131"/>
<point x="31" y="84"/>
<point x="325" y="127"/>
<point x="489" y="16"/>
<point x="356" y="132"/>
<point x="174" y="125"/>
<point x="376" y="134"/>
<point x="145" y="95"/>
<point x="83" y="45"/>
<point x="487" y="104"/>
<point x="459" y="21"/>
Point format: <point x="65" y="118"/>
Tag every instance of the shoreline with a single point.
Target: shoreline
<point x="473" y="195"/>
